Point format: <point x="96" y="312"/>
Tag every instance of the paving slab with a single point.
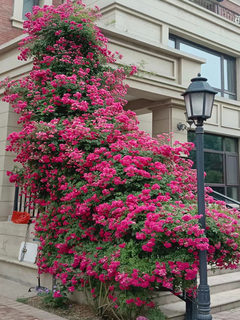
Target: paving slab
<point x="233" y="314"/>
<point x="13" y="310"/>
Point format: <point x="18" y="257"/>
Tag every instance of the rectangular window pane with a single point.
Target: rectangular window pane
<point x="229" y="96"/>
<point x="213" y="163"/>
<point x="211" y="69"/>
<point x="191" y="136"/>
<point x="232" y="192"/>
<point x="192" y="156"/>
<point x="229" y="75"/>
<point x="219" y="69"/>
<point x="230" y="144"/>
<point x="213" y="142"/>
<point x="27" y="6"/>
<point x="232" y="169"/>
<point x="172" y="43"/>
<point x="219" y="190"/>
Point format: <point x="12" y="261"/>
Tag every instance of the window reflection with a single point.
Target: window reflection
<point x="213" y="163"/>
<point x="230" y="144"/>
<point x="229" y="79"/>
<point x="219" y="69"/>
<point x="172" y="43"/>
<point x="232" y="192"/>
<point x="220" y="163"/>
<point x="211" y="69"/>
<point x="213" y="142"/>
<point x="27" y="6"/>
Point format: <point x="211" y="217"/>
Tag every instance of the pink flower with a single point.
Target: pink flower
<point x="71" y="289"/>
<point x="57" y="294"/>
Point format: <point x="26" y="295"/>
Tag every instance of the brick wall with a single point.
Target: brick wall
<point x="7" y="31"/>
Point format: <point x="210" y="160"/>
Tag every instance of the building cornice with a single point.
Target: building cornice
<point x="11" y="44"/>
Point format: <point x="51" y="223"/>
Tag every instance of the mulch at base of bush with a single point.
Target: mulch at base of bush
<point x="73" y="311"/>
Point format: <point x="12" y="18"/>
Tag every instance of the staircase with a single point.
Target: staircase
<point x="224" y="290"/>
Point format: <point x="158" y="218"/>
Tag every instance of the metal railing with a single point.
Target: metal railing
<point x="230" y="203"/>
<point x="23" y="203"/>
<point x="219" y="9"/>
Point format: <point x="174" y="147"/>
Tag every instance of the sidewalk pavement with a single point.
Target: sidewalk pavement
<point x="233" y="314"/>
<point x="13" y="310"/>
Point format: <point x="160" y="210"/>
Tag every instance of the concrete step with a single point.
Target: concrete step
<point x="225" y="300"/>
<point x="165" y="297"/>
<point x="225" y="295"/>
<point x="216" y="271"/>
<point x="224" y="282"/>
<point x="13" y="290"/>
<point x="220" y="282"/>
<point x="23" y="273"/>
<point x="11" y="236"/>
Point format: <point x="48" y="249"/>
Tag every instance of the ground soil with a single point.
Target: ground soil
<point x="72" y="311"/>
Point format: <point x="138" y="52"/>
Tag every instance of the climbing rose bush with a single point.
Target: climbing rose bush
<point x="117" y="209"/>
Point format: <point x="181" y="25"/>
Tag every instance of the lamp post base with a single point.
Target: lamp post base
<point x="203" y="303"/>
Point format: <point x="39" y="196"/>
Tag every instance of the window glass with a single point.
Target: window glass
<point x="230" y="144"/>
<point x="213" y="163"/>
<point x="172" y="43"/>
<point x="219" y="69"/>
<point x="232" y="169"/>
<point x="229" y="75"/>
<point x="219" y="189"/>
<point x="232" y="192"/>
<point x="213" y="142"/>
<point x="192" y="156"/>
<point x="229" y="96"/>
<point x="221" y="163"/>
<point x="191" y="136"/>
<point x="27" y="6"/>
<point x="211" y="69"/>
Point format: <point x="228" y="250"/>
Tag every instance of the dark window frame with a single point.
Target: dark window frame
<point x="224" y="153"/>
<point x="178" y="40"/>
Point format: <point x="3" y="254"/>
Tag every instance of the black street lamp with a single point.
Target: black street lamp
<point x="199" y="98"/>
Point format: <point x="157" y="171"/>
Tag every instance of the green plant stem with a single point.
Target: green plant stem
<point x="118" y="317"/>
<point x="100" y="295"/>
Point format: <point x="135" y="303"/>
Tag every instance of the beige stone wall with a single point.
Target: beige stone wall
<point x="7" y="124"/>
<point x="140" y="30"/>
<point x="12" y="68"/>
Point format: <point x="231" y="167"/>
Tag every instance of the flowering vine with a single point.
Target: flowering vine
<point x="117" y="208"/>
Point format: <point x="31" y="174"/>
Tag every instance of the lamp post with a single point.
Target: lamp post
<point x="199" y="98"/>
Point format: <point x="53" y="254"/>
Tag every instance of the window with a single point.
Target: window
<point x="219" y="69"/>
<point x="21" y="7"/>
<point x="27" y="6"/>
<point x="220" y="162"/>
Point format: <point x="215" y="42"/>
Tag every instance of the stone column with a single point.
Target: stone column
<point x="165" y="118"/>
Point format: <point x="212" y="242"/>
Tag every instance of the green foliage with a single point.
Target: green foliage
<point x="51" y="302"/>
<point x="155" y="314"/>
<point x="22" y="300"/>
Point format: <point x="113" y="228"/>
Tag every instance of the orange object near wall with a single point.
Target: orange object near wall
<point x="20" y="217"/>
